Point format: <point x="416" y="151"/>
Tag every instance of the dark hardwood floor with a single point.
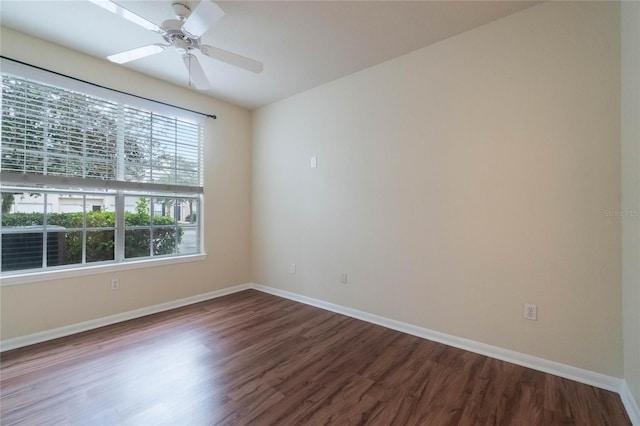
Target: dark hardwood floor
<point x="253" y="358"/>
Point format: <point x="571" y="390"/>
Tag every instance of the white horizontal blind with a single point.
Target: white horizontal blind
<point x="58" y="132"/>
<point x="160" y="149"/>
<point x="51" y="131"/>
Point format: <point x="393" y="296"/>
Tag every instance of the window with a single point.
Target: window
<point x="90" y="177"/>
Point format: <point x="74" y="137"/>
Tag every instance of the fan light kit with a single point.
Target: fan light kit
<point x="183" y="34"/>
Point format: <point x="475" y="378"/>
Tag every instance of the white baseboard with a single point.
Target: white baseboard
<point x="573" y="373"/>
<point x="55" y="333"/>
<point x="630" y="404"/>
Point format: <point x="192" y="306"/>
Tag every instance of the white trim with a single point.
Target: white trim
<point x="568" y="372"/>
<point x="51" y="183"/>
<point x="630" y="404"/>
<point x="55" y="333"/>
<point x="97" y="269"/>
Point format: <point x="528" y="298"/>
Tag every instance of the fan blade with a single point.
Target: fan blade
<point x="196" y="73"/>
<point x="140" y="52"/>
<point x="202" y="18"/>
<point x="232" y="58"/>
<point x="126" y="14"/>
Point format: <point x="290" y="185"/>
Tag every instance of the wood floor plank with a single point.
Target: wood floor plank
<point x="253" y="358"/>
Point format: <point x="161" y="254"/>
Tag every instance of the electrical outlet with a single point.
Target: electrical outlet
<point x="530" y="311"/>
<point x="343" y="278"/>
<point x="115" y="284"/>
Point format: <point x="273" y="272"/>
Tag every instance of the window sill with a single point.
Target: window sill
<point x="34" y="277"/>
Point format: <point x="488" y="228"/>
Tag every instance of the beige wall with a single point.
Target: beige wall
<point x="29" y="308"/>
<point x="630" y="136"/>
<point x="458" y="182"/>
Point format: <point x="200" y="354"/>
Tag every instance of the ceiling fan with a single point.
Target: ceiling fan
<point x="183" y="34"/>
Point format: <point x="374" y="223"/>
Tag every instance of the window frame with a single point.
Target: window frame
<point x="118" y="189"/>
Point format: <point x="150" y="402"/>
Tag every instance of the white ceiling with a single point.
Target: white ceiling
<point x="302" y="44"/>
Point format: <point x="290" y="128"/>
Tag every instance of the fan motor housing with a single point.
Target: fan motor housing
<point x="173" y="35"/>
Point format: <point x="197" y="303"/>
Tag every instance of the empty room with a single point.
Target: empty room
<point x="320" y="212"/>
